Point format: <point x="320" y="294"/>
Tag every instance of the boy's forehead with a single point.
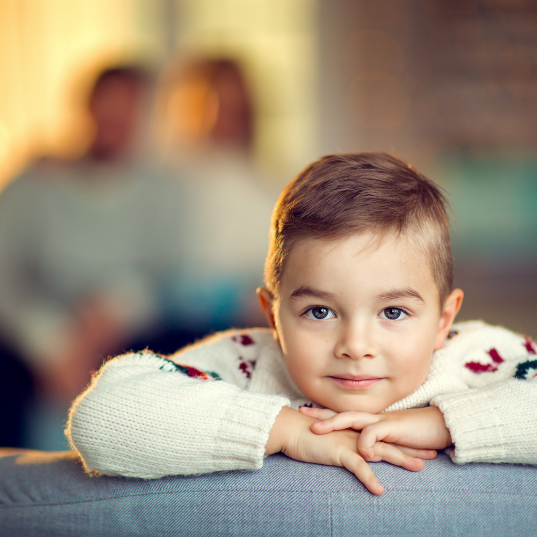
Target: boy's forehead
<point x="397" y="254"/>
<point x="365" y="243"/>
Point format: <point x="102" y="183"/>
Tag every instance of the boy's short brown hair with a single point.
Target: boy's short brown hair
<point x="339" y="195"/>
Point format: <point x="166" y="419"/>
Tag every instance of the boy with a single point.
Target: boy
<point x="360" y="306"/>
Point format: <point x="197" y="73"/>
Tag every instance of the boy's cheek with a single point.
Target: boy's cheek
<point x="413" y="359"/>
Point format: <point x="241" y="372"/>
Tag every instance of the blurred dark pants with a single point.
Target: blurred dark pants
<point x="16" y="392"/>
<point x="25" y="420"/>
<point x="169" y="340"/>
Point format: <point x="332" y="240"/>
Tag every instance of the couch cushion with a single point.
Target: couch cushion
<point x="48" y="494"/>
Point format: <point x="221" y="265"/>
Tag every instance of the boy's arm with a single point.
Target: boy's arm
<point x="142" y="416"/>
<point x="494" y="420"/>
<point x="496" y="423"/>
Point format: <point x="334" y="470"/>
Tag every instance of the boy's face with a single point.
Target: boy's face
<point x="358" y="320"/>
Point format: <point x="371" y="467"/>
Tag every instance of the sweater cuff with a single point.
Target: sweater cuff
<point x="244" y="430"/>
<point x="492" y="424"/>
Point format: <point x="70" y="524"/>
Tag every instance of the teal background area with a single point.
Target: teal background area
<point x="494" y="204"/>
<point x="494" y="237"/>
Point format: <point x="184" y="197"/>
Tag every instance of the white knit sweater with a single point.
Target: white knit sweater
<point x="148" y="416"/>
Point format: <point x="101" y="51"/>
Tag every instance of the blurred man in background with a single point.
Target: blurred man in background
<point x="85" y="245"/>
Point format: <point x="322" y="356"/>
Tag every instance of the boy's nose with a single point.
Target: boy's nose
<point x="355" y="341"/>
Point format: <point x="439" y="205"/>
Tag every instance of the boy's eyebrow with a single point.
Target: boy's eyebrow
<point x="306" y="291"/>
<point x="396" y="294"/>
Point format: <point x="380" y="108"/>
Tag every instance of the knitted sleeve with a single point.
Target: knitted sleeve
<point x="495" y="420"/>
<point x="496" y="423"/>
<point x="147" y="416"/>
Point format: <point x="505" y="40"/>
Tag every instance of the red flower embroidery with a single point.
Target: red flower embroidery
<point x="495" y="356"/>
<point x="193" y="372"/>
<point x="530" y="346"/>
<point x="246" y="366"/>
<point x="478" y="367"/>
<point x="243" y="339"/>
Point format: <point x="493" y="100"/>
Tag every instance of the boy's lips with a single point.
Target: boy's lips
<point x="356" y="382"/>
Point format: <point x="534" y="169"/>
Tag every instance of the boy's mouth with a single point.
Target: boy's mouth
<point x="356" y="382"/>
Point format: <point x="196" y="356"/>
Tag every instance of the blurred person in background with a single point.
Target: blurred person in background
<point x="85" y="246"/>
<point x="206" y="119"/>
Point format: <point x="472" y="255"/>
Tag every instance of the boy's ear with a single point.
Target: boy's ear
<point x="449" y="312"/>
<point x="265" y="299"/>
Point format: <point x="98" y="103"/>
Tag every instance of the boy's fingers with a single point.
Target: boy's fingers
<point x="372" y="434"/>
<point x="355" y="464"/>
<point x="320" y="413"/>
<point x="395" y="456"/>
<point x="345" y="420"/>
<point x="426" y="454"/>
<point x="383" y="432"/>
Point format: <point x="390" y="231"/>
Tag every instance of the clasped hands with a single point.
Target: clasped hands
<point x="404" y="438"/>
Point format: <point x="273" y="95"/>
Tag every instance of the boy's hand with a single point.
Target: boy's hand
<point x="292" y="435"/>
<point x="417" y="431"/>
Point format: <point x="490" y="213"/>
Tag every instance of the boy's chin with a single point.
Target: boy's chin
<point x="371" y="407"/>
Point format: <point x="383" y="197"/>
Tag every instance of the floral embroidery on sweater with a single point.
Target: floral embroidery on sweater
<point x="170" y="365"/>
<point x="526" y="370"/>
<point x="452" y="334"/>
<point x="478" y="367"/>
<point x="196" y="373"/>
<point x="530" y="346"/>
<point x="243" y="339"/>
<point x="246" y="366"/>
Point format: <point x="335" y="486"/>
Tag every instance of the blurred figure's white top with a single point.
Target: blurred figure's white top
<point x="228" y="220"/>
<point x="69" y="230"/>
<point x="230" y="215"/>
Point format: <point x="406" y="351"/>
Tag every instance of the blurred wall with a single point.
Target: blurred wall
<point x="450" y="85"/>
<point x="47" y="46"/>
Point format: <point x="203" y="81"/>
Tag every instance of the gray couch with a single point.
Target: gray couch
<point x="48" y="495"/>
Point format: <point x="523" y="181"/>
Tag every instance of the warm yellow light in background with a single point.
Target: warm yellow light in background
<point x="277" y="42"/>
<point x="44" y="46"/>
<point x="5" y="143"/>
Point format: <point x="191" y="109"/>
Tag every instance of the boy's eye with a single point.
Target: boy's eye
<point x="320" y="313"/>
<point x="393" y="314"/>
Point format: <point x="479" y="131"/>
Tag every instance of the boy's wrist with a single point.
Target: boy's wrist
<point x="288" y="423"/>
